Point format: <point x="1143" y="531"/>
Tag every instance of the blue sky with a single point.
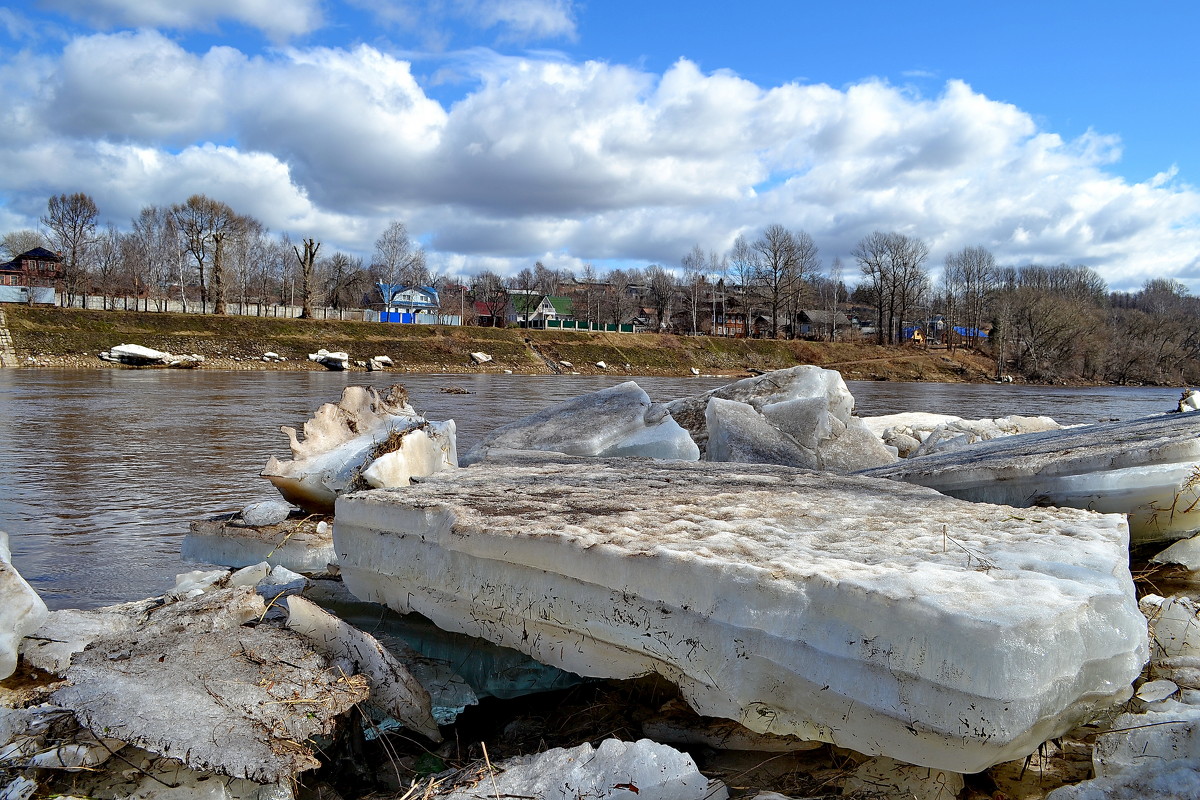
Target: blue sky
<point x="620" y="132"/>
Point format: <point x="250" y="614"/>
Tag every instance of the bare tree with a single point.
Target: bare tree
<point x="662" y="288"/>
<point x="307" y="275"/>
<point x="15" y="243"/>
<point x="695" y="282"/>
<point x="207" y="225"/>
<point x="345" y="281"/>
<point x="833" y="289"/>
<point x="397" y="257"/>
<point x="968" y="279"/>
<point x="71" y="219"/>
<point x="108" y="259"/>
<point x="620" y="299"/>
<point x="488" y="288"/>
<point x="894" y="267"/>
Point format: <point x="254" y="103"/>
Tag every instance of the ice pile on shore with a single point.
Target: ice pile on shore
<point x="881" y="617"/>
<point x="1147" y="468"/>
<point x="919" y="433"/>
<point x="364" y="440"/>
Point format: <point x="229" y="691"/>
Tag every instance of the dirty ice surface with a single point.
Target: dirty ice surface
<point x="881" y="617"/>
<point x="1148" y="468"/>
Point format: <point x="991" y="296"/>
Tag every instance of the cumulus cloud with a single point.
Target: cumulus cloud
<point x="575" y="161"/>
<point x="278" y="19"/>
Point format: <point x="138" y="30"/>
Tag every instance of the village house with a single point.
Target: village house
<point x="37" y="271"/>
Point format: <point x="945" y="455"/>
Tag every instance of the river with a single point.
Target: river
<point x="103" y="470"/>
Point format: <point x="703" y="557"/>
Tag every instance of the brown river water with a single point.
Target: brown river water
<point x="101" y="471"/>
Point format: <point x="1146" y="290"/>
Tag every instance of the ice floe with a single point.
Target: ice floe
<point x="882" y="617"/>
<point x="1148" y="468"/>
<point x="365" y="439"/>
<point x="617" y="421"/>
<point x="799" y="417"/>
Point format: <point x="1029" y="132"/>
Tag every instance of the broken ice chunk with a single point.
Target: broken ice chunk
<point x="21" y="610"/>
<point x="886" y="777"/>
<point x="1146" y="468"/>
<point x="263" y="689"/>
<point x="394" y="691"/>
<point x="615" y="770"/>
<point x="780" y="386"/>
<point x="617" y="421"/>
<point x="300" y="545"/>
<point x="738" y="433"/>
<point x="342" y="440"/>
<point x="882" y="617"/>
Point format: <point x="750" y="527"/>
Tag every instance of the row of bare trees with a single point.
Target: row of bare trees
<point x="202" y="255"/>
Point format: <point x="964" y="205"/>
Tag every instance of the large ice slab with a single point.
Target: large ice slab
<point x="1146" y="468"/>
<point x="365" y="439"/>
<point x="21" y="610"/>
<point x="617" y="421"/>
<point x="880" y="616"/>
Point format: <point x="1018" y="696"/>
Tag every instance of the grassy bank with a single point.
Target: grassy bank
<point x="57" y="337"/>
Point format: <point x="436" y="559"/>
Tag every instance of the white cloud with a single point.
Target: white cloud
<point x="573" y="161"/>
<point x="279" y="19"/>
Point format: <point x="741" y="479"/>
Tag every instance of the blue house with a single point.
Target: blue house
<point x="409" y="303"/>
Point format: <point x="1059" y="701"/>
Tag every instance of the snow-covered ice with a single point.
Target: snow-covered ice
<point x="883" y="617"/>
<point x="21" y="610"/>
<point x="617" y="421"/>
<point x="1148" y="468"/>
<point x="343" y="442"/>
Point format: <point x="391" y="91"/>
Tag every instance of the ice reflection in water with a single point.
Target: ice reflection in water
<point x="103" y="470"/>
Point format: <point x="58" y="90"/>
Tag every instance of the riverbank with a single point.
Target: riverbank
<point x="74" y="338"/>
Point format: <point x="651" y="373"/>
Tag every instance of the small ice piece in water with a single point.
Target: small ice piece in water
<point x="804" y="420"/>
<point x="616" y="770"/>
<point x="1154" y="691"/>
<point x="342" y="440"/>
<point x="21" y="610"/>
<point x="1188" y="401"/>
<point x="617" y="421"/>
<point x="1185" y="553"/>
<point x="266" y="512"/>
